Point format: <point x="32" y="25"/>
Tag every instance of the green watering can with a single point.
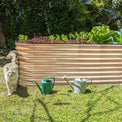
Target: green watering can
<point x="46" y="85"/>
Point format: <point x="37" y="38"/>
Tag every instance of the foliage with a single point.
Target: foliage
<point x="64" y="37"/>
<point x="107" y="12"/>
<point x="52" y="37"/>
<point x="84" y="36"/>
<point x="71" y="36"/>
<point x="98" y="35"/>
<point x="39" y="17"/>
<point x="81" y="37"/>
<point x="101" y="35"/>
<point x="45" y="17"/>
<point x="22" y="37"/>
<point x="117" y="37"/>
<point x="58" y="37"/>
<point x="77" y="36"/>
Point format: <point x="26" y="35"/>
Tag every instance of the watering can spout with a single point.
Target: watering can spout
<point x="79" y="84"/>
<point x="64" y="77"/>
<point x="38" y="85"/>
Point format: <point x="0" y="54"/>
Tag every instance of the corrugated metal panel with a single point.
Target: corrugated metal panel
<point x="101" y="63"/>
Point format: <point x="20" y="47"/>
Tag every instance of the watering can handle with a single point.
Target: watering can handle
<point x="51" y="78"/>
<point x="90" y="83"/>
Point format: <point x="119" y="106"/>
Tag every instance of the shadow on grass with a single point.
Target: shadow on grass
<point x="88" y="91"/>
<point x="44" y="106"/>
<point x="22" y="91"/>
<point x="59" y="103"/>
<point x="70" y="91"/>
<point x="91" y="104"/>
<point x="54" y="91"/>
<point x="33" y="113"/>
<point x="112" y="100"/>
<point x="33" y="117"/>
<point x="67" y="94"/>
<point x="111" y="87"/>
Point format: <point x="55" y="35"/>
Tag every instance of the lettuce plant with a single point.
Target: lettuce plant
<point x="101" y="35"/>
<point x="117" y="37"/>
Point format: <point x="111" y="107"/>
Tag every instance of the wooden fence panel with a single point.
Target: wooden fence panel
<point x="101" y="63"/>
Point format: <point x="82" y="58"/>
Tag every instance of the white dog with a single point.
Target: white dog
<point x="10" y="71"/>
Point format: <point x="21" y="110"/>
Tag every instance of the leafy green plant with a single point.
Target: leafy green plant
<point x="77" y="36"/>
<point x="101" y="35"/>
<point x="22" y="37"/>
<point x="52" y="37"/>
<point x="58" y="38"/>
<point x="117" y="37"/>
<point x="84" y="36"/>
<point x="71" y="36"/>
<point x="64" y="37"/>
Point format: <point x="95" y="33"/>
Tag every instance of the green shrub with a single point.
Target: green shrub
<point x="101" y="35"/>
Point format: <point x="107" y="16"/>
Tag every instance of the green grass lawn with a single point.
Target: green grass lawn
<point x="99" y="104"/>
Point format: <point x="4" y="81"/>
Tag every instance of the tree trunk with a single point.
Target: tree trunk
<point x="2" y="37"/>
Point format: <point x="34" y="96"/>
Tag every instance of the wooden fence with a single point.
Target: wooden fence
<point x="101" y="63"/>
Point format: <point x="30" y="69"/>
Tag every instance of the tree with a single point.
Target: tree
<point x="2" y="37"/>
<point x="30" y="17"/>
<point x="109" y="11"/>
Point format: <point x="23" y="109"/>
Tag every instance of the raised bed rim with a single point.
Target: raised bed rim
<point x="64" y="44"/>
